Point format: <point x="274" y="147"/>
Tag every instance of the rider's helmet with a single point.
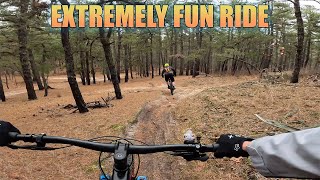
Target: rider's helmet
<point x="166" y="65"/>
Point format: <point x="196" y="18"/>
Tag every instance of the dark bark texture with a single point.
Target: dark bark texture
<point x="93" y="73"/>
<point x="70" y="68"/>
<point x="300" y="33"/>
<point x="2" y="96"/>
<point x="70" y="71"/>
<point x="126" y="64"/>
<point x="181" y="52"/>
<point x="105" y="41"/>
<point x="82" y="72"/>
<point x="151" y="55"/>
<point x="23" y="53"/>
<point x="44" y="79"/>
<point x="87" y="68"/>
<point x="35" y="71"/>
<point x="118" y="60"/>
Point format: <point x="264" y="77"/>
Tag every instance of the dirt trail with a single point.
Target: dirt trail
<point x="155" y="124"/>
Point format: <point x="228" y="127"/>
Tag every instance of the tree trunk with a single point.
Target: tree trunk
<point x="141" y="67"/>
<point x="2" y="96"/>
<point x="93" y="73"/>
<point x="70" y="71"/>
<point x="267" y="58"/>
<point x="209" y="60"/>
<point x="160" y="57"/>
<point x="270" y="49"/>
<point x="189" y="52"/>
<point x="171" y="48"/>
<point x="283" y="58"/>
<point x="160" y="52"/>
<point x="130" y="62"/>
<point x="105" y="41"/>
<point x="151" y="56"/>
<point x="114" y="49"/>
<point x="181" y="52"/>
<point x="277" y="51"/>
<point x="307" y="57"/>
<point x="104" y="74"/>
<point x="6" y="76"/>
<point x="175" y="49"/>
<point x="126" y="66"/>
<point x="70" y="68"/>
<point x="196" y="64"/>
<point x="188" y="68"/>
<point x="234" y="65"/>
<point x="193" y="69"/>
<point x="147" y="60"/>
<point x="44" y="79"/>
<point x="119" y="54"/>
<point x="23" y="53"/>
<point x="35" y="71"/>
<point x="165" y="56"/>
<point x="45" y="82"/>
<point x="300" y="33"/>
<point x="82" y="72"/>
<point x="87" y="68"/>
<point x="108" y="74"/>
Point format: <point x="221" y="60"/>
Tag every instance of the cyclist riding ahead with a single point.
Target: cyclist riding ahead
<point x="168" y="73"/>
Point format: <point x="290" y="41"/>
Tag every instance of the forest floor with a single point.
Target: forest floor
<point x="209" y="105"/>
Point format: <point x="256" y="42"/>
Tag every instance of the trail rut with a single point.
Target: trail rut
<point x="155" y="124"/>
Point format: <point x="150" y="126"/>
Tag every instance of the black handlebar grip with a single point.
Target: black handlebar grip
<point x="215" y="147"/>
<point x="13" y="136"/>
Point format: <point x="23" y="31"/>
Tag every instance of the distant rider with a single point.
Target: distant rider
<point x="168" y="73"/>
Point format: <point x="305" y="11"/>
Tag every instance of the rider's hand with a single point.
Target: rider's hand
<point x="5" y="128"/>
<point x="230" y="145"/>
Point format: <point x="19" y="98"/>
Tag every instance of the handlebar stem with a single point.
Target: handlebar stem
<point x="120" y="157"/>
<point x="121" y="169"/>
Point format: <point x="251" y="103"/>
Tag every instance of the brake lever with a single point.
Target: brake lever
<point x="191" y="156"/>
<point x="199" y="157"/>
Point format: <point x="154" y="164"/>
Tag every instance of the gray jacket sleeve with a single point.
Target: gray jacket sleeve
<point x="295" y="154"/>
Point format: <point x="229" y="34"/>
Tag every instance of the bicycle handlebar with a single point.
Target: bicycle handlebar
<point x="103" y="147"/>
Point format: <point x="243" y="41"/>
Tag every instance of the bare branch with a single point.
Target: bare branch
<point x="64" y="2"/>
<point x="291" y="1"/>
<point x="316" y="1"/>
<point x="277" y="124"/>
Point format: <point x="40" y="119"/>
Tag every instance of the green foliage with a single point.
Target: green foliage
<point x="248" y="44"/>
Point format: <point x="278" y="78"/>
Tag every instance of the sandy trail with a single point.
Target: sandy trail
<point x="61" y="82"/>
<point x="156" y="125"/>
